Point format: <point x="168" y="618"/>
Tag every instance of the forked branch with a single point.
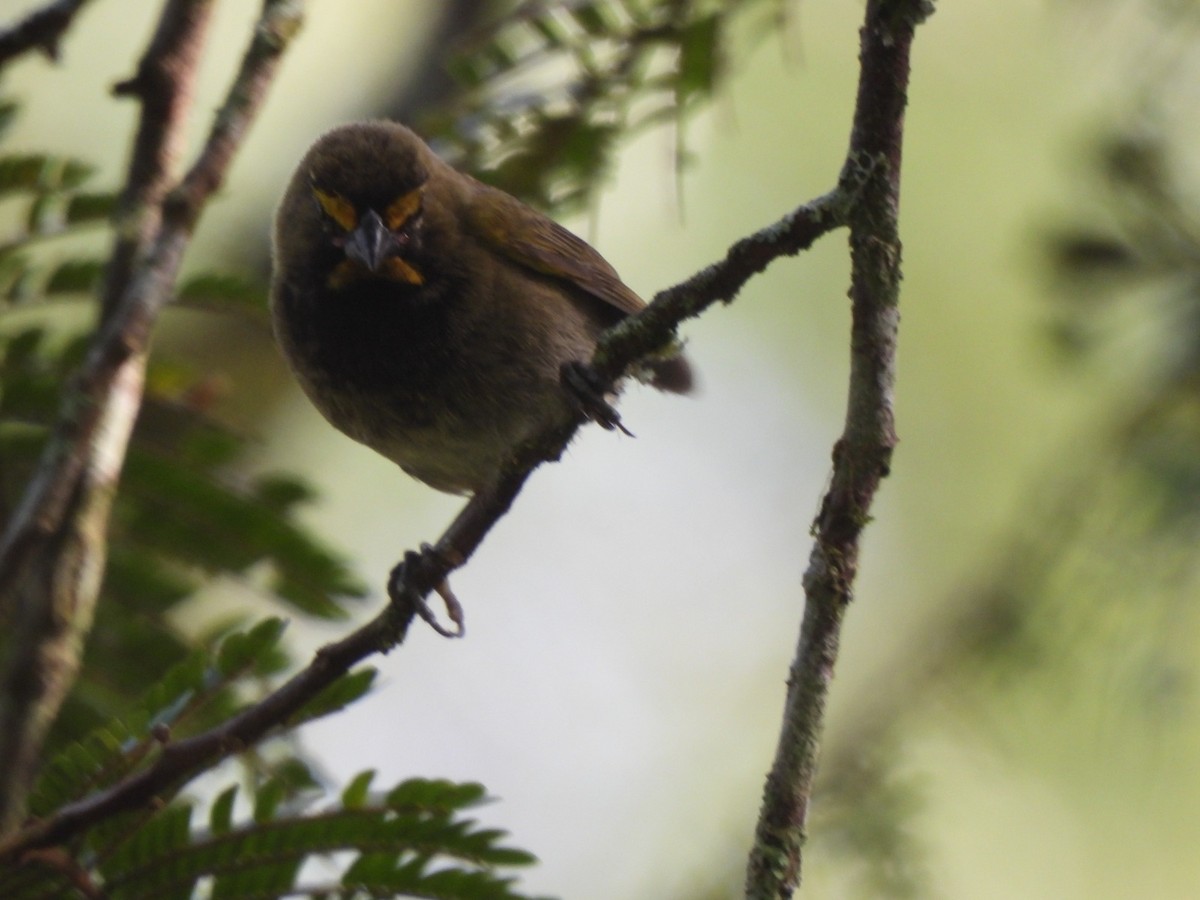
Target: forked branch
<point x="53" y="550"/>
<point x="861" y="456"/>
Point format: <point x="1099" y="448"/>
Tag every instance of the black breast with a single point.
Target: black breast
<point x="376" y="339"/>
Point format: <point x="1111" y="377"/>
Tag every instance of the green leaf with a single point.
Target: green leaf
<point x="420" y="848"/>
<point x="220" y="818"/>
<point x="613" y="79"/>
<point x="296" y="776"/>
<point x="699" y="58"/>
<point x="71" y="173"/>
<point x="267" y="800"/>
<point x="551" y="28"/>
<point x="18" y="278"/>
<point x="8" y="114"/>
<point x="112" y="751"/>
<point x="355" y="794"/>
<point x="142" y="583"/>
<point x="250" y="650"/>
<point x="81" y="767"/>
<point x="590" y="18"/>
<point x="467" y="70"/>
<point x="40" y="215"/>
<point x="160" y="837"/>
<point x="90" y="207"/>
<point x="21" y="350"/>
<point x="223" y="291"/>
<point x="22" y="173"/>
<point x="435" y="795"/>
<point x="38" y="173"/>
<point x="281" y="492"/>
<point x="77" y="276"/>
<point x="288" y="783"/>
<point x="178" y="517"/>
<point x="498" y="56"/>
<point x="344" y="691"/>
<point x="190" y="516"/>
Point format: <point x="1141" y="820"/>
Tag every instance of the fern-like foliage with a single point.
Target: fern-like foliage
<point x="409" y="841"/>
<point x="548" y="89"/>
<point x="182" y="516"/>
<point x="179" y="520"/>
<point x="282" y="840"/>
<point x="191" y="695"/>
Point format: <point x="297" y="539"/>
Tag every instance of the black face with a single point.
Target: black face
<point x="367" y="184"/>
<point x="378" y="241"/>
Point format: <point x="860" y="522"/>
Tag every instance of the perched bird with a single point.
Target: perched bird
<point x="432" y="317"/>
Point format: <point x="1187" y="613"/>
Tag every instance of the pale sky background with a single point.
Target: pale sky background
<point x="631" y="622"/>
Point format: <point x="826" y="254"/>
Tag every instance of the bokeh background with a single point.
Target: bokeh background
<point x="1015" y="710"/>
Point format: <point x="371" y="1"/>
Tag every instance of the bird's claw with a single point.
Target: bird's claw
<point x="581" y="381"/>
<point x="453" y="609"/>
<point x="398" y="588"/>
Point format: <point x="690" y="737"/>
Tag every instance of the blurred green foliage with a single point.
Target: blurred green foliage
<point x="183" y="515"/>
<point x="411" y="839"/>
<point x="548" y="90"/>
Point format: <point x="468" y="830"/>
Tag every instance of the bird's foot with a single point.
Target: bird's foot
<point x="400" y="590"/>
<point x="584" y="385"/>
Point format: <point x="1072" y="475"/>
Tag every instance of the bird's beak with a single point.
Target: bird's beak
<point x="371" y="243"/>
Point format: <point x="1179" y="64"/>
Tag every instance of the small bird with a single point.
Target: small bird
<point x="439" y="321"/>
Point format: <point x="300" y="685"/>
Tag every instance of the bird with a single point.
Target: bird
<point x="438" y="320"/>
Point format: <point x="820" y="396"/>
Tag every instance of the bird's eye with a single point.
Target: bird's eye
<point x="337" y="209"/>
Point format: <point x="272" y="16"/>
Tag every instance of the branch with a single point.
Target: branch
<point x="53" y="551"/>
<point x="41" y="30"/>
<point x="421" y="572"/>
<point x="861" y="457"/>
<point x="618" y="350"/>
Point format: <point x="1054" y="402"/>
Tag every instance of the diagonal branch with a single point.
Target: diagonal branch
<point x="861" y="457"/>
<point x="41" y="30"/>
<point x="53" y="551"/>
<point x="412" y="581"/>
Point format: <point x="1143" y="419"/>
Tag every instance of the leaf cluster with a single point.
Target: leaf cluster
<point x="271" y="837"/>
<point x="182" y="516"/>
<point x="547" y="90"/>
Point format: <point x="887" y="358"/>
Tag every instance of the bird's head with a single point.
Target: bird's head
<point x="356" y="206"/>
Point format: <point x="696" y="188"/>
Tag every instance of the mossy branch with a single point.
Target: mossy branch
<point x="861" y="456"/>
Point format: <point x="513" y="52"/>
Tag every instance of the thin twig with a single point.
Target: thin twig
<point x="634" y="339"/>
<point x="41" y="30"/>
<point x="422" y="572"/>
<point x="861" y="457"/>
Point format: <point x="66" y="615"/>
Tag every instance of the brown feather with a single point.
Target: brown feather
<point x="525" y="236"/>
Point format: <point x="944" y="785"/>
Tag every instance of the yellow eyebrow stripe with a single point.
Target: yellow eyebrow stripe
<point x="337" y="208"/>
<point x="402" y="209"/>
<point x="348" y="272"/>
<point x="398" y="270"/>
